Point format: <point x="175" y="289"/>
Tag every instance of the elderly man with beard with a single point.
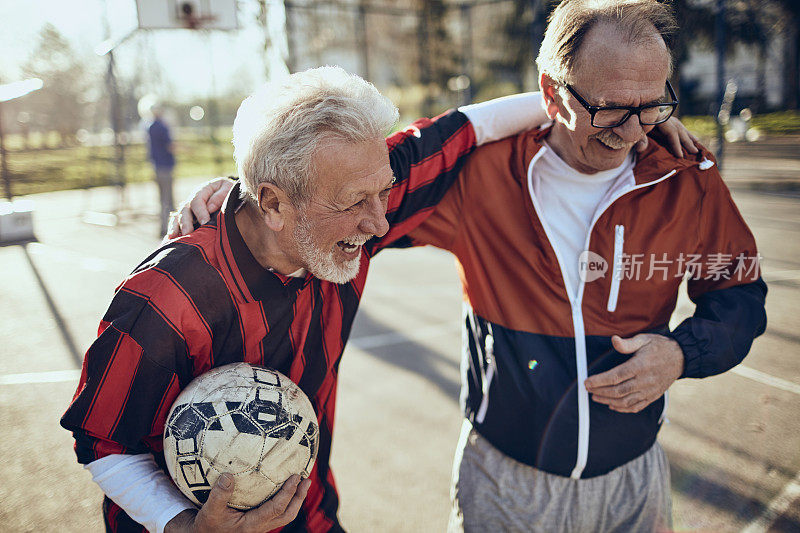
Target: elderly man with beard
<point x="274" y="279"/>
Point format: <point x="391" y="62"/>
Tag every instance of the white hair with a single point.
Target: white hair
<point x="279" y="127"/>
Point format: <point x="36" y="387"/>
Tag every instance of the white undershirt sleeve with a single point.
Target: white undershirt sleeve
<point x="506" y="116"/>
<point x="141" y="488"/>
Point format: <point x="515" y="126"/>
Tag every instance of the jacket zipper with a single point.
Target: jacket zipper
<point x="488" y="350"/>
<point x="576" y="304"/>
<point x="616" y="273"/>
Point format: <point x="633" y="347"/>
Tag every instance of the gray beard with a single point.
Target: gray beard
<point x="319" y="262"/>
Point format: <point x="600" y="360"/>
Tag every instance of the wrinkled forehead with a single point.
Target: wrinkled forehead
<point x="606" y="44"/>
<point x="611" y="68"/>
<point x="345" y="168"/>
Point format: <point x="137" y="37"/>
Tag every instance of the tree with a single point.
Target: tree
<point x="791" y="55"/>
<point x="61" y="103"/>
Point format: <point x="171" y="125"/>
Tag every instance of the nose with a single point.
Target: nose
<point x="632" y="130"/>
<point x="374" y="221"/>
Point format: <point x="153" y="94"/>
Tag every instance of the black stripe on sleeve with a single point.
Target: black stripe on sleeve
<point x="414" y="149"/>
<point x="161" y="341"/>
<point x="149" y="385"/>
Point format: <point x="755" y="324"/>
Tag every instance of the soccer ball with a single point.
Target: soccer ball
<point x="246" y="420"/>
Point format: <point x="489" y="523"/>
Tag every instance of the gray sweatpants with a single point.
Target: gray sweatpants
<point x="493" y="492"/>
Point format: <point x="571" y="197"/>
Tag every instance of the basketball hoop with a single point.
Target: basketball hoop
<point x="187" y="14"/>
<point x="192" y="20"/>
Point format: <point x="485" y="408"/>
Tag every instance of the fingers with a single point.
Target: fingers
<point x="675" y="145"/>
<point x="613" y="377"/>
<point x="199" y="203"/>
<point x="174" y="226"/>
<point x="688" y="140"/>
<point x="220" y="494"/>
<point x="209" y="199"/>
<point x="678" y="137"/>
<point x="277" y="510"/>
<point x="629" y="345"/>
<point x="297" y="500"/>
<point x="626" y="370"/>
<point x="631" y="401"/>
<point x="613" y="392"/>
<point x="186" y="220"/>
<point x="217" y="199"/>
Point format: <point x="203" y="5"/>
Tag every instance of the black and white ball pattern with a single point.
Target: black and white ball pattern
<point x="246" y="420"/>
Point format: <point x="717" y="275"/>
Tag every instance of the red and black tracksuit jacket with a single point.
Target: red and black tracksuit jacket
<point x="203" y="301"/>
<point x="524" y="388"/>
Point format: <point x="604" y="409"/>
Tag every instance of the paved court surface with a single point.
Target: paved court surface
<point x="733" y="441"/>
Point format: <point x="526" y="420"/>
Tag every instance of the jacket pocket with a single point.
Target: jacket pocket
<point x="616" y="273"/>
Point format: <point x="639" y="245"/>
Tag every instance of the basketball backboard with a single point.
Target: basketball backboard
<point x="189" y="14"/>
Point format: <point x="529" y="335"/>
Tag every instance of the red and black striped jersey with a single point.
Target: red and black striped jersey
<point x="202" y="301"/>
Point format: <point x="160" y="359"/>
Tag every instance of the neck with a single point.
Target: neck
<point x="264" y="243"/>
<point x="559" y="141"/>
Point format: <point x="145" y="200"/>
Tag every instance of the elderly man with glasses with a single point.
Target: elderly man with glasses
<point x="572" y="247"/>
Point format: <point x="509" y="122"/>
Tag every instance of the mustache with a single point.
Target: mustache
<point x="611" y="139"/>
<point x="358" y="239"/>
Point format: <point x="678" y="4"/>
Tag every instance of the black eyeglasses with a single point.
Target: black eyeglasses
<point x="615" y="115"/>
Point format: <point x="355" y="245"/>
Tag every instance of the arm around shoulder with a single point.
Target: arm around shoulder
<point x="502" y="117"/>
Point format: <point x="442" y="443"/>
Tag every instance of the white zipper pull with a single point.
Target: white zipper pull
<point x="616" y="273"/>
<point x="487" y="380"/>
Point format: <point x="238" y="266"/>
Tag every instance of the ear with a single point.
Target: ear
<point x="274" y="204"/>
<point x="550" y="95"/>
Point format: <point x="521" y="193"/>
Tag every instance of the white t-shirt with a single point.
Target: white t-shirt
<point x="568" y="200"/>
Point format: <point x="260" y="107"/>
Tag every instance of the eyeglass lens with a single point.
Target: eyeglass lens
<point x="649" y="115"/>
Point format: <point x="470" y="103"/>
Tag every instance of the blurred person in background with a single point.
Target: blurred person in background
<point x="163" y="160"/>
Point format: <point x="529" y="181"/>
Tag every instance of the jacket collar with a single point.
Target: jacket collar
<point x="240" y="267"/>
<point x="651" y="165"/>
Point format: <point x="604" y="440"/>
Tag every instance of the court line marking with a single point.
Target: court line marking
<point x="779" y="505"/>
<point x="766" y="379"/>
<point x="56" y="376"/>
<point x="781" y="275"/>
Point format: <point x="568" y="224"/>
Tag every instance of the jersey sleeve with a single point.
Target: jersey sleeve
<point x="502" y="117"/>
<point x="728" y="289"/>
<point x="128" y="381"/>
<point x="426" y="158"/>
<point x="140" y="488"/>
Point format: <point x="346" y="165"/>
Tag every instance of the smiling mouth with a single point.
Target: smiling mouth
<point x="350" y="246"/>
